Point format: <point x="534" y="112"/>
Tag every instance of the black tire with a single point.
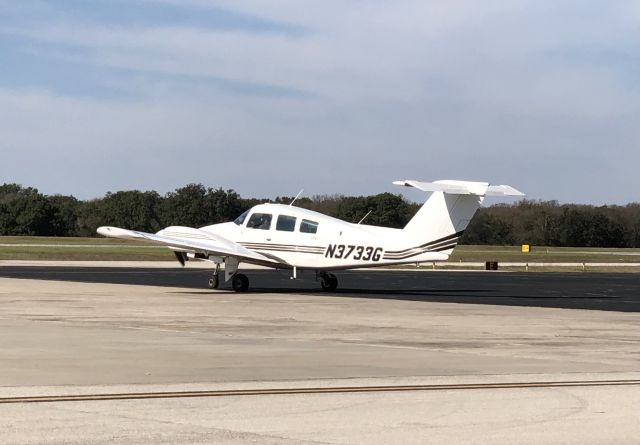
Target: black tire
<point x="329" y="282"/>
<point x="240" y="283"/>
<point x="214" y="282"/>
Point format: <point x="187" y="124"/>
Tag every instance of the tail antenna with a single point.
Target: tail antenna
<point x="297" y="196"/>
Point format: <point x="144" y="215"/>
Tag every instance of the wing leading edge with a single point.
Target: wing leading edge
<point x="192" y="240"/>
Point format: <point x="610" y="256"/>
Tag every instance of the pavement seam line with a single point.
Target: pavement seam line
<point x="312" y="390"/>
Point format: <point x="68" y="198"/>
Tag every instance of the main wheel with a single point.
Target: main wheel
<point x="329" y="282"/>
<point x="214" y="282"/>
<point x="240" y="282"/>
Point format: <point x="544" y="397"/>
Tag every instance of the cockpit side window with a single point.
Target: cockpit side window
<point x="308" y="226"/>
<point x="260" y="221"/>
<point x="286" y="223"/>
<point x="240" y="219"/>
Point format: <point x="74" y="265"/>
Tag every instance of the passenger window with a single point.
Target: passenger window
<point x="307" y="226"/>
<point x="286" y="223"/>
<point x="240" y="219"/>
<point x="260" y="221"/>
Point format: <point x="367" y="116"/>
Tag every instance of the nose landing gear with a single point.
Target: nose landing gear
<point x="214" y="281"/>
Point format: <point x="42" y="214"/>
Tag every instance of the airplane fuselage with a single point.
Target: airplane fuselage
<point x="301" y="238"/>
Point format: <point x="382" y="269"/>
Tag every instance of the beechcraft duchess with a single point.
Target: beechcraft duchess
<point x="287" y="237"/>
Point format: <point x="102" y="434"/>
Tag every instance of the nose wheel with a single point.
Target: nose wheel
<point x="328" y="281"/>
<point x="214" y="281"/>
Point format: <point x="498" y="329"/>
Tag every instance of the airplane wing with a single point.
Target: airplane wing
<point x="192" y="240"/>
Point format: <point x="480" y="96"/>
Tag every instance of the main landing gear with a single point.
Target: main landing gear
<point x="328" y="281"/>
<point x="240" y="282"/>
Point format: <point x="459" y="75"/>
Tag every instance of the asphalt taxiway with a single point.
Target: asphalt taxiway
<point x="130" y="355"/>
<point x="576" y="290"/>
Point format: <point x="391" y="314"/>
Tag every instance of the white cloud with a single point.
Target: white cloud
<point x="389" y="89"/>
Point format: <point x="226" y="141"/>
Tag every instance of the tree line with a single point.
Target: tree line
<point x="25" y="211"/>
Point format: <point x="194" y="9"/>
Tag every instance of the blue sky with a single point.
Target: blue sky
<point x="269" y="97"/>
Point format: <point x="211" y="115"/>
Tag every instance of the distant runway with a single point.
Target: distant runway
<point x="597" y="291"/>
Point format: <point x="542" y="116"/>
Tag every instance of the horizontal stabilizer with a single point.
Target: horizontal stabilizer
<point x="461" y="188"/>
<point x="503" y="190"/>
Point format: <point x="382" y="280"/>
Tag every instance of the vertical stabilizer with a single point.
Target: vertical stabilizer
<point x="445" y="215"/>
<point x="442" y="219"/>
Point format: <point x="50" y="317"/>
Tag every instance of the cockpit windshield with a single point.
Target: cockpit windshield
<point x="240" y="219"/>
<point x="260" y="221"/>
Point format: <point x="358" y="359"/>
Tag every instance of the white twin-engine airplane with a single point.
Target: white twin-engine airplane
<point x="287" y="237"/>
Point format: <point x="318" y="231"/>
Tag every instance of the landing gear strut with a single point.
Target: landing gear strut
<point x="214" y="281"/>
<point x="240" y="282"/>
<point x="328" y="281"/>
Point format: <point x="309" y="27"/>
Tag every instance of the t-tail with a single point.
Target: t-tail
<point x="445" y="215"/>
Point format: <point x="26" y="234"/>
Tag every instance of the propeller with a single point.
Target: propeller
<point x="181" y="256"/>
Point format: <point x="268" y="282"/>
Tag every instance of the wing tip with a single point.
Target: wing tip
<point x="117" y="232"/>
